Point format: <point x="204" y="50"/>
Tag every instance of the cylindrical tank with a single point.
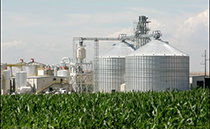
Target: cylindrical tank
<point x="48" y="72"/>
<point x="111" y="67"/>
<point x="15" y="70"/>
<point x="81" y="53"/>
<point x="24" y="68"/>
<point x="3" y="66"/>
<point x="23" y="78"/>
<point x="31" y="70"/>
<point x="58" y="72"/>
<point x="157" y="66"/>
<point x="55" y="71"/>
<point x="7" y="80"/>
<point x="17" y="80"/>
<point x="63" y="73"/>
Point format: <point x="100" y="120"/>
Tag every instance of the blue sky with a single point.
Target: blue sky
<point x="44" y="29"/>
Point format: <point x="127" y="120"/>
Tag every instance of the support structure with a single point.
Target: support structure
<point x="95" y="74"/>
<point x="205" y="60"/>
<point x="79" y="77"/>
<point x="122" y="37"/>
<point x="140" y="38"/>
<point x="141" y="29"/>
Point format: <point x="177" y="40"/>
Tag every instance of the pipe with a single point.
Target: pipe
<point x="66" y="60"/>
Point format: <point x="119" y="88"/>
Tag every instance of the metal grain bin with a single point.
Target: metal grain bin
<point x="157" y="66"/>
<point x="111" y="70"/>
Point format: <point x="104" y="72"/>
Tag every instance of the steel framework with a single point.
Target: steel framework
<point x="140" y="38"/>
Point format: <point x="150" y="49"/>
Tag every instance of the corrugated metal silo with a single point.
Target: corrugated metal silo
<point x="111" y="69"/>
<point x="157" y="66"/>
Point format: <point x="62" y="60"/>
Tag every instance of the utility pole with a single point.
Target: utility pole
<point x="204" y="63"/>
<point x="205" y="59"/>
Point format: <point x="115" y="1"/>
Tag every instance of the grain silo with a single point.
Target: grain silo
<point x="157" y="66"/>
<point x="111" y="70"/>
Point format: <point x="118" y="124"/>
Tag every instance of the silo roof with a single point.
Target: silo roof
<point x="119" y="50"/>
<point x="157" y="48"/>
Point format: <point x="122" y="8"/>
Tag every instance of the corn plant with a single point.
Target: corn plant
<point x="169" y="109"/>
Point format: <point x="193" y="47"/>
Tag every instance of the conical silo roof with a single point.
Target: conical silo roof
<point x="119" y="50"/>
<point x="157" y="48"/>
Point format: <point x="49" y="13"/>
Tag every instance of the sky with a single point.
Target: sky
<point x="44" y="29"/>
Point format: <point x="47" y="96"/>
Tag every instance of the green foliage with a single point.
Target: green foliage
<point x="186" y="109"/>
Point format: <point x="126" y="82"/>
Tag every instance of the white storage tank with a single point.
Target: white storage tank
<point x="15" y="70"/>
<point x="55" y="71"/>
<point x="81" y="53"/>
<point x="31" y="70"/>
<point x="157" y="66"/>
<point x="111" y="67"/>
<point x="17" y="80"/>
<point x="21" y="79"/>
<point x="3" y="66"/>
<point x="6" y="81"/>
<point x="63" y="73"/>
<point x="58" y="72"/>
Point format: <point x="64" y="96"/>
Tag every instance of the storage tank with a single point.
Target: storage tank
<point x="48" y="72"/>
<point x="15" y="70"/>
<point x="157" y="66"/>
<point x="3" y="66"/>
<point x="111" y="67"/>
<point x="81" y="53"/>
<point x="55" y="71"/>
<point x="63" y="73"/>
<point x="17" y="80"/>
<point x="21" y="79"/>
<point x="31" y="70"/>
<point x="6" y="81"/>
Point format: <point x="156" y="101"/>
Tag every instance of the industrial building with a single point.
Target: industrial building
<point x="201" y="81"/>
<point x="149" y="63"/>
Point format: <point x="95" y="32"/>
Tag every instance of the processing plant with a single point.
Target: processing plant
<point x="140" y="62"/>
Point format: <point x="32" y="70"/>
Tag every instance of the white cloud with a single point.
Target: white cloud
<point x="192" y="24"/>
<point x="192" y="32"/>
<point x="191" y="36"/>
<point x="52" y="36"/>
<point x="155" y="24"/>
<point x="127" y="31"/>
<point x="11" y="44"/>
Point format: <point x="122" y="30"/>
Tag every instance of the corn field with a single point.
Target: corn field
<point x="186" y="109"/>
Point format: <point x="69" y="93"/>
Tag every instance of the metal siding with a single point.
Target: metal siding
<point x="158" y="48"/>
<point x="144" y="73"/>
<point x="111" y="69"/>
<point x="111" y="74"/>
